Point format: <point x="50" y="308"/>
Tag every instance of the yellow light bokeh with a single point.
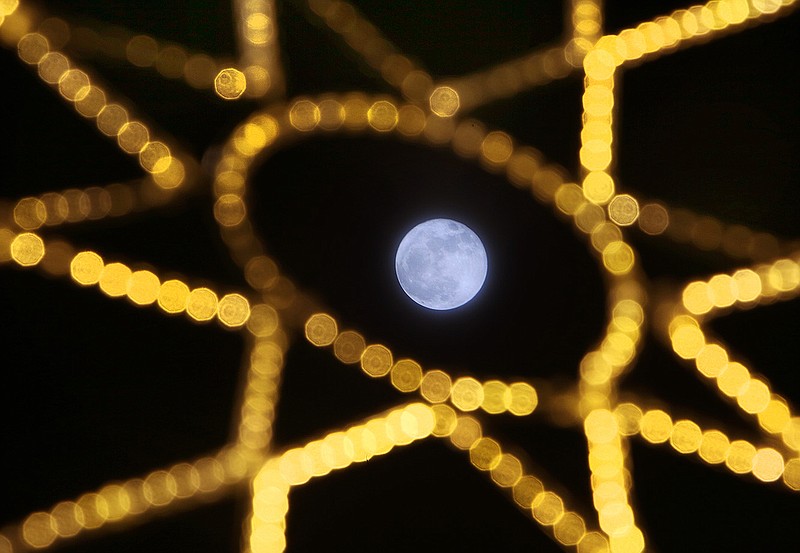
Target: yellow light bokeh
<point x="27" y="249"/>
<point x="607" y="424"/>
<point x="230" y="83"/>
<point x="444" y="101"/>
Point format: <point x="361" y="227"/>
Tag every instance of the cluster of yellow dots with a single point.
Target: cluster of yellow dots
<point x="171" y="61"/>
<point x="744" y="287"/>
<point x="708" y="233"/>
<point x="336" y="451"/>
<point x="610" y="481"/>
<point x="380" y="435"/>
<point x="143" y="287"/>
<point x="72" y="206"/>
<point x="507" y="472"/>
<point x="261" y="392"/>
<point x="380" y="54"/>
<point x="533" y="69"/>
<point x="712" y="446"/>
<point x="735" y="381"/>
<point x="406" y="375"/>
<point x="496" y="152"/>
<point x="112" y="119"/>
<point x="617" y="349"/>
<point x="116" y="502"/>
<point x="258" y="59"/>
<point x="600" y="66"/>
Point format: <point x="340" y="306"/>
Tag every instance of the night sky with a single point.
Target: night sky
<point x="94" y="390"/>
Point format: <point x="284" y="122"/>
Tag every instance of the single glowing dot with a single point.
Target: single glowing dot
<point x="523" y="399"/>
<point x="376" y="360"/>
<point x="740" y="456"/>
<point x="599" y="64"/>
<point x="445" y="419"/>
<point x="74" y="84"/>
<point x="467" y="394"/>
<point x="202" y="304"/>
<point x="111" y="119"/>
<point x="714" y="446"/>
<point x="697" y="298"/>
<point x="623" y="210"/>
<point x="656" y="426"/>
<point x="686" y="437"/>
<point x="485" y="454"/>
<point x="304" y="115"/>
<point x="436" y="386"/>
<point x="331" y="114"/>
<point x="114" y="279"/>
<point x="598" y="187"/>
<point x="776" y="416"/>
<point x="629" y="418"/>
<point x="382" y="116"/>
<point x="65" y="516"/>
<point x="593" y="542"/>
<point x="133" y="137"/>
<point x="38" y="531"/>
<point x="496" y="397"/>
<point x="406" y="375"/>
<point x="230" y="83"/>
<point x="711" y="359"/>
<point x="200" y="71"/>
<point x="143" y="287"/>
<point x="155" y="157"/>
<point x="418" y="420"/>
<point x="653" y="219"/>
<point x="547" y="508"/>
<point x="733" y="379"/>
<point x="600" y="426"/>
<point x="754" y="397"/>
<point x="263" y="320"/>
<point x="467" y="432"/>
<point x="142" y="51"/>
<point x="410" y="120"/>
<point x="90" y="101"/>
<point x="52" y="67"/>
<point x="618" y="258"/>
<point x="159" y="488"/>
<point x="569" y="198"/>
<point x="349" y="346"/>
<point x="768" y="465"/>
<point x="497" y="148"/>
<point x="32" y="47"/>
<point x="229" y="210"/>
<point x="321" y="329"/>
<point x="441" y="264"/>
<point x="688" y="341"/>
<point x="791" y="474"/>
<point x="507" y="471"/>
<point x="173" y="296"/>
<point x="27" y="249"/>
<point x="444" y="101"/>
<point x="233" y="310"/>
<point x="748" y="285"/>
<point x="526" y="489"/>
<point x="258" y="80"/>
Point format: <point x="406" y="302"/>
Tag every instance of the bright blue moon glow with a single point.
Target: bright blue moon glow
<point x="441" y="264"/>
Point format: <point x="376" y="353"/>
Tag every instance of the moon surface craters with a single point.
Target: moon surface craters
<point x="441" y="264"/>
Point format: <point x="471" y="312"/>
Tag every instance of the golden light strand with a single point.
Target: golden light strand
<point x="258" y="47"/>
<point x="595" y="208"/>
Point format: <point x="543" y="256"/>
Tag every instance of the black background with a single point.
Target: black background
<point x="93" y="389"/>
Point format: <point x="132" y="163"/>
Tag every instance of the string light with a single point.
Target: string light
<point x="594" y="205"/>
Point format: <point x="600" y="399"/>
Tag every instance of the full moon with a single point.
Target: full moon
<point x="441" y="264"/>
